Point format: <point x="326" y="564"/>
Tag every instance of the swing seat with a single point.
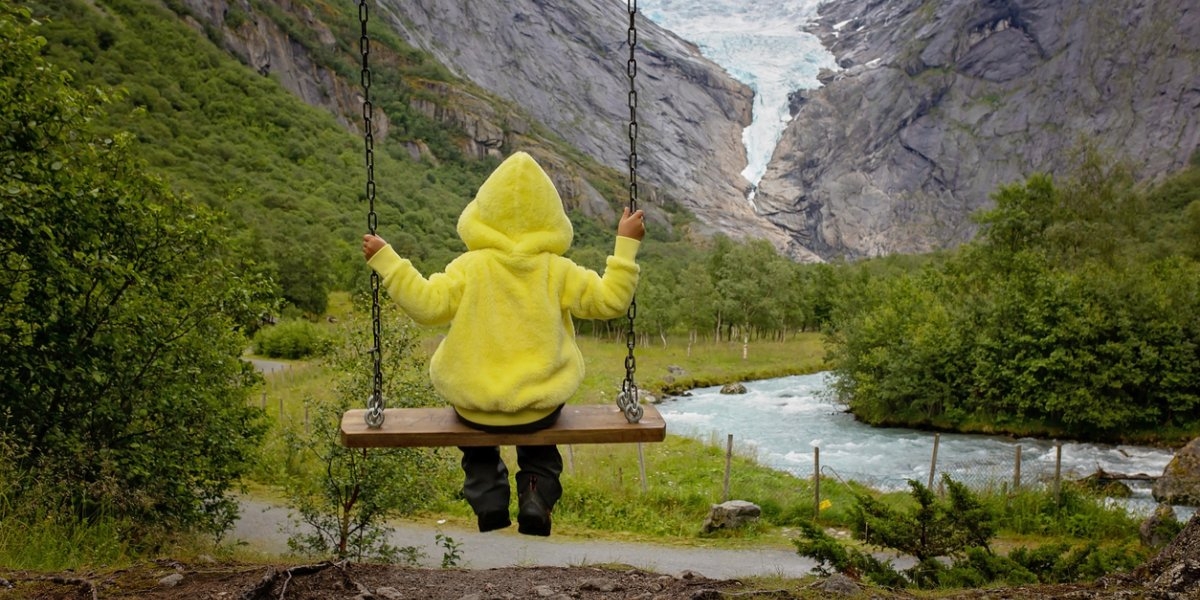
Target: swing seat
<point x="431" y="427"/>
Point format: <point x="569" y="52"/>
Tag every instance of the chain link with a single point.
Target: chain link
<point x="374" y="416"/>
<point x="627" y="399"/>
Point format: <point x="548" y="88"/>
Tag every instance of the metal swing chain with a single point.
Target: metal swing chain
<point x="374" y="414"/>
<point x="627" y="399"/>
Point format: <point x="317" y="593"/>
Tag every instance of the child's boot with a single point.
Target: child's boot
<point x="533" y="516"/>
<point x="485" y="486"/>
<point x="538" y="487"/>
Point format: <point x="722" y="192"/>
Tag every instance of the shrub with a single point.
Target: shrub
<point x="291" y="339"/>
<point x="950" y="538"/>
<point x="121" y="316"/>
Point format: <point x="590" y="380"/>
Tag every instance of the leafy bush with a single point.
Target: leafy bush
<point x="291" y="339"/>
<point x="345" y="496"/>
<point x="1062" y="563"/>
<point x="950" y="539"/>
<point x="832" y="555"/>
<point x="1072" y="314"/>
<point x="122" y="306"/>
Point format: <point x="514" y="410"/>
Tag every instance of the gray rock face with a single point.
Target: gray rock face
<point x="1175" y="571"/>
<point x="939" y="103"/>
<point x="566" y="64"/>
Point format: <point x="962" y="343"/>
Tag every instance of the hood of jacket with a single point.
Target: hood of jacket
<point x="517" y="210"/>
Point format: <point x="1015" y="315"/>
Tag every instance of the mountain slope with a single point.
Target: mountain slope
<point x="566" y="64"/>
<point x="941" y="101"/>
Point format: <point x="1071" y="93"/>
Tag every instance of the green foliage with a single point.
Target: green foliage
<point x="949" y="539"/>
<point x="1070" y="315"/>
<point x="978" y="568"/>
<point x="345" y="496"/>
<point x="295" y="338"/>
<point x="1062" y="563"/>
<point x="121" y="317"/>
<point x="832" y="555"/>
<point x="35" y="535"/>
<point x="934" y="529"/>
<point x="451" y="550"/>
<point x="1070" y="513"/>
<point x="287" y="173"/>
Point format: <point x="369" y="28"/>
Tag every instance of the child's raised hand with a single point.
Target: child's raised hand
<point x="371" y="245"/>
<point x="632" y="225"/>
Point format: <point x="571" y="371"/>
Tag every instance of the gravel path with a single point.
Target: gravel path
<point x="265" y="366"/>
<point x="262" y="526"/>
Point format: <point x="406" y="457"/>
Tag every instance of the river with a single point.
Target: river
<point x="781" y="421"/>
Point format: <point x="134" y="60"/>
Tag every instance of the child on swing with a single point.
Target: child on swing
<point x="509" y="361"/>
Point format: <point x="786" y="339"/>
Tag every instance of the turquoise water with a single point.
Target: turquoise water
<point x="781" y="421"/>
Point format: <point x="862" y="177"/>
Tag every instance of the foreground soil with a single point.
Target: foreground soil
<point x="342" y="581"/>
<point x="1173" y="574"/>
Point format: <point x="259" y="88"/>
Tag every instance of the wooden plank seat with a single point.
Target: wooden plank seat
<point x="578" y="424"/>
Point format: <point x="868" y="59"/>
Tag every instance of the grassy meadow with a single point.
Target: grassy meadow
<point x="605" y="494"/>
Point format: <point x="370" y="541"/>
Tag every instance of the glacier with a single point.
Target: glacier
<point x="761" y="43"/>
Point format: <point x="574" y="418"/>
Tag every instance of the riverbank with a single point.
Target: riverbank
<point x="610" y="483"/>
<point x="671" y="370"/>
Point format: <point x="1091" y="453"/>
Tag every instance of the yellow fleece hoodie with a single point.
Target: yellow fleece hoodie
<point x="510" y="356"/>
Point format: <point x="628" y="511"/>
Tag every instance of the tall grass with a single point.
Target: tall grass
<point x="39" y="535"/>
<point x="47" y="542"/>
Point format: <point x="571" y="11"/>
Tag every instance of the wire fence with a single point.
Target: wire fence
<point x="1024" y="470"/>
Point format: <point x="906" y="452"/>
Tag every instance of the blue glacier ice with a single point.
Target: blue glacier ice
<point x="762" y="44"/>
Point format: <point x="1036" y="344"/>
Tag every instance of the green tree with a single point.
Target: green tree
<point x="697" y="293"/>
<point x="657" y="308"/>
<point x="949" y="538"/>
<point x="346" y="495"/>
<point x="121" y="312"/>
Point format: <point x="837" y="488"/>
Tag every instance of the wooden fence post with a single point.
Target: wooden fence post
<point x="1017" y="471"/>
<point x="728" y="464"/>
<point x="816" y="482"/>
<point x="1057" y="472"/>
<point x="937" y="438"/>
<point x="642" y="466"/>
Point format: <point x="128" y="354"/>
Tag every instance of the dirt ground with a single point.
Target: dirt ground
<point x="1174" y="574"/>
<point x="329" y="581"/>
<point x="341" y="581"/>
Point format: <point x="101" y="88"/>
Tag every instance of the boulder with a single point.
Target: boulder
<point x="733" y="514"/>
<point x="733" y="388"/>
<point x="1159" y="528"/>
<point x="838" y="585"/>
<point x="1180" y="481"/>
<point x="1175" y="571"/>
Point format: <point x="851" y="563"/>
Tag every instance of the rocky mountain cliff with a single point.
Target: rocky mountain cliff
<point x="938" y="103"/>
<point x="565" y="63"/>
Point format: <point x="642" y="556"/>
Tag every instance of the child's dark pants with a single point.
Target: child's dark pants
<point x="485" y="482"/>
